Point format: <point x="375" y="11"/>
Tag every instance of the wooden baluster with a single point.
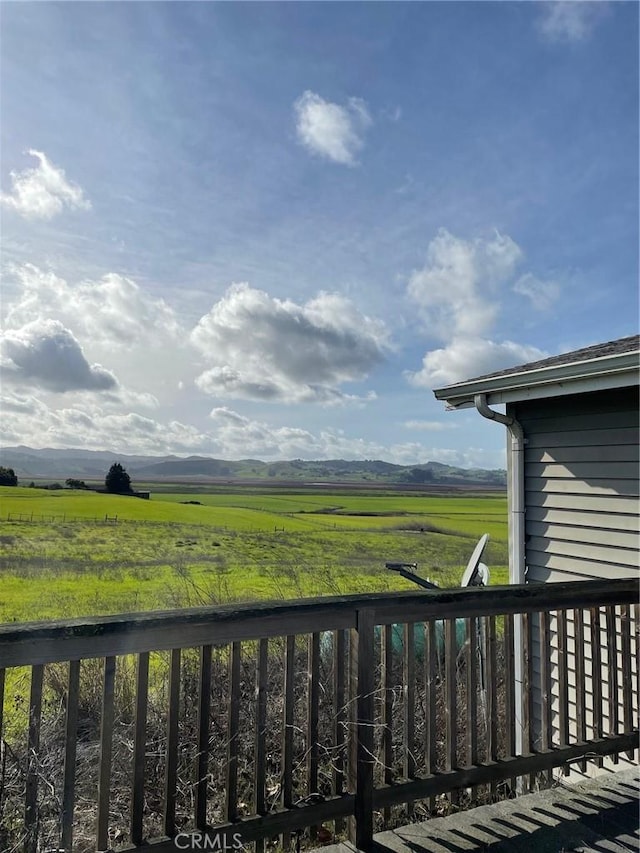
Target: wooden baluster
<point x="139" y="747"/>
<point x="472" y="696"/>
<point x="492" y="695"/>
<point x="339" y="715"/>
<point x="451" y="710"/>
<point x="563" y="684"/>
<point x="71" y="740"/>
<point x="387" y="708"/>
<point x="509" y="691"/>
<point x="636" y="623"/>
<point x="612" y="673"/>
<point x="627" y="676"/>
<point x="544" y="639"/>
<point x="2" y="746"/>
<point x="202" y="759"/>
<point x="431" y="672"/>
<point x="260" y="734"/>
<point x="287" y="738"/>
<point x="233" y="731"/>
<point x="313" y="701"/>
<point x="527" y="722"/>
<point x="289" y="706"/>
<point x="2" y="683"/>
<point x="31" y="816"/>
<point x="409" y="695"/>
<point x="361" y="757"/>
<point x="171" y="767"/>
<point x="581" y="705"/>
<point x="596" y="675"/>
<point x="106" y="745"/>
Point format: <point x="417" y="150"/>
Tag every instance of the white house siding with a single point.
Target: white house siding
<point x="582" y="521"/>
<point x="581" y="485"/>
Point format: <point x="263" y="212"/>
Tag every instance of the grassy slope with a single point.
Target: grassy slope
<point x="164" y="553"/>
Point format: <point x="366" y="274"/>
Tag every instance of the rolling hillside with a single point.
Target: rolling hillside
<point x="32" y="464"/>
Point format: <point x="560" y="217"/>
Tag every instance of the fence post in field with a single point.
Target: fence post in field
<point x="361" y="753"/>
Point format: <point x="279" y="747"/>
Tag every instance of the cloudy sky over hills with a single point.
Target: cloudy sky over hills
<point x="269" y="230"/>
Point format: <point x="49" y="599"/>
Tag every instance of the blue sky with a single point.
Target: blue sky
<point x="271" y="229"/>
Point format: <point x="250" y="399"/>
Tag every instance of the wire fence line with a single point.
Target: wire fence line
<point x="115" y="520"/>
<point x="32" y="516"/>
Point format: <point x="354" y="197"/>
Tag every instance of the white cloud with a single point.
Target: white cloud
<point x="464" y="358"/>
<point x="541" y="294"/>
<point x="121" y="397"/>
<point x="456" y="291"/>
<point x="330" y="130"/>
<point x="111" y="311"/>
<point x="45" y="354"/>
<point x="269" y="349"/>
<point x="43" y="191"/>
<point x="240" y="437"/>
<point x="570" y="20"/>
<point x="117" y="323"/>
<point x="28" y="420"/>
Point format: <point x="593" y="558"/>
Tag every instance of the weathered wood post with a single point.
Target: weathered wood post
<point x="361" y="752"/>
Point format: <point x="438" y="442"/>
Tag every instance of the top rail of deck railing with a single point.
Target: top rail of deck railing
<point x="32" y="643"/>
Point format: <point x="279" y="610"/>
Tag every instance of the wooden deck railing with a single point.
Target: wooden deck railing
<point x="245" y="723"/>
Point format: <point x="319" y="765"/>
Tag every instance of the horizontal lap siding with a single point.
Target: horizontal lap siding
<point x="602" y="552"/>
<point x="567" y="439"/>
<point x="582" y="513"/>
<point x="599" y="520"/>
<point x="603" y="486"/>
<point x="576" y="455"/>
<point x="601" y="473"/>
<point x="549" y="500"/>
<point x="581" y="485"/>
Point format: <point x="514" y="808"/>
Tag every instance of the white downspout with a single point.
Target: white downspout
<point x="515" y="473"/>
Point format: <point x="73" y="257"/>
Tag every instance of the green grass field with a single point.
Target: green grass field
<point x="66" y="553"/>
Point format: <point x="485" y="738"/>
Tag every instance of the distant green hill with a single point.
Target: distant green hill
<point x="92" y="465"/>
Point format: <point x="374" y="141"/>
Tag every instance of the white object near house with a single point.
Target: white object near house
<point x="573" y="437"/>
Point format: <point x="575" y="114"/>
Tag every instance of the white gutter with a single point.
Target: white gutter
<point x="571" y="378"/>
<point x="515" y="471"/>
<point x="515" y="487"/>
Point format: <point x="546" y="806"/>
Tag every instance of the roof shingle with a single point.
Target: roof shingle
<point x="617" y="347"/>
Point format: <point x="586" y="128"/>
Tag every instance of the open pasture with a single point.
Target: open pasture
<point x="59" y="556"/>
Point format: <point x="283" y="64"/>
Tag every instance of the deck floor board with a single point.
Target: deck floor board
<point x="596" y="816"/>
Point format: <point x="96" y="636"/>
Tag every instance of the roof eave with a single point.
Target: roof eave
<point x="616" y="371"/>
